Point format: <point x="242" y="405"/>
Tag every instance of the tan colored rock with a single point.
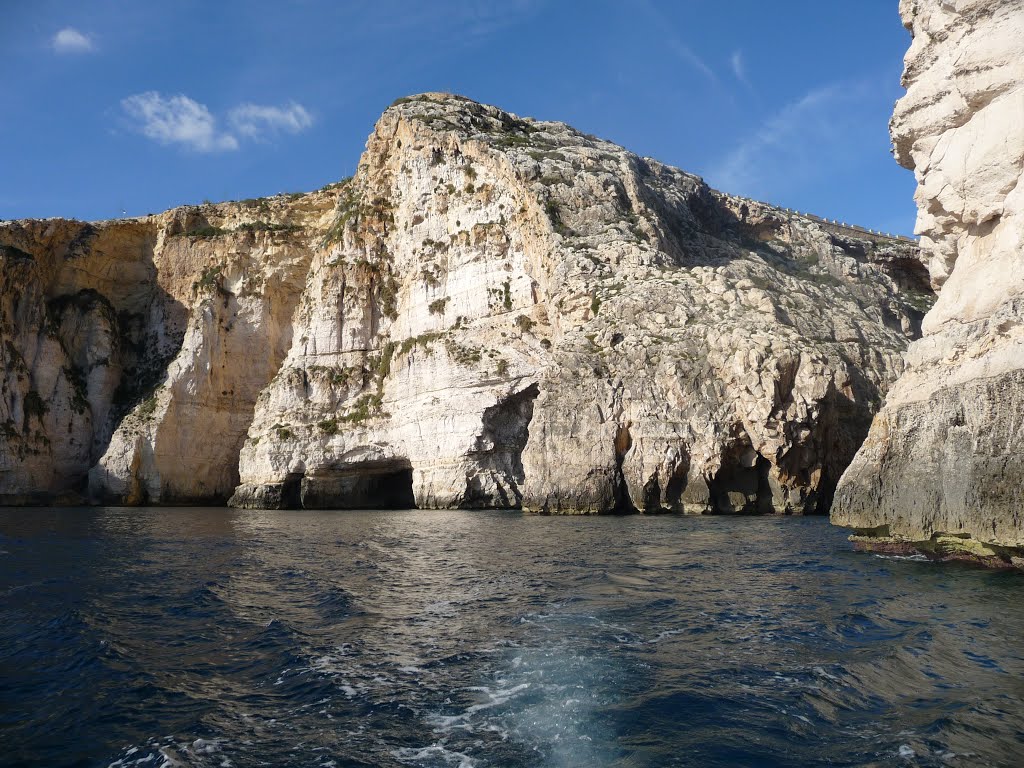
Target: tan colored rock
<point x="943" y="457"/>
<point x="137" y="350"/>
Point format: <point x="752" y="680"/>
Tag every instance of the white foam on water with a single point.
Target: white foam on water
<point x="916" y="558"/>
<point x="542" y="698"/>
<point x="436" y="754"/>
<point x="822" y="673"/>
<point x="495" y="698"/>
<point x="171" y="752"/>
<point x="666" y="634"/>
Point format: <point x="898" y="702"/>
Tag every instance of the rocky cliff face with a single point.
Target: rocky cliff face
<point x="942" y="470"/>
<point x="133" y="350"/>
<point x="493" y="312"/>
<point x="511" y="313"/>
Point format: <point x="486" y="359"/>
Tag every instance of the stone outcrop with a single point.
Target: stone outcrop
<point x="494" y="312"/>
<point x="511" y="313"/>
<point x="942" y="469"/>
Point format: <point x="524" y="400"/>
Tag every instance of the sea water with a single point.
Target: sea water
<point x="214" y="637"/>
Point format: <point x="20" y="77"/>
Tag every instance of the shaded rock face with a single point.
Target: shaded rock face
<point x="494" y="312"/>
<point x="508" y="313"/>
<point x="942" y="462"/>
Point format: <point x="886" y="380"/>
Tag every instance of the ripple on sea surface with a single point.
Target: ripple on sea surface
<point x="214" y="638"/>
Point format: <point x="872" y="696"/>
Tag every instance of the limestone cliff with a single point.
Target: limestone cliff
<point x="133" y="350"/>
<point x="511" y="313"/>
<point x="494" y="311"/>
<point x="942" y="469"/>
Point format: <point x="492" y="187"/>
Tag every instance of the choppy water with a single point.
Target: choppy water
<point x="209" y="637"/>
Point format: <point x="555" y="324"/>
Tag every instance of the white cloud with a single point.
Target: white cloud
<point x="183" y="121"/>
<point x="257" y="122"/>
<point x="675" y="43"/>
<point x="70" y="40"/>
<point x="684" y="52"/>
<point x="738" y="68"/>
<point x="177" y="120"/>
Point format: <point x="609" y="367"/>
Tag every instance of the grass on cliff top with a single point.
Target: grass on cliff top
<point x="419" y="97"/>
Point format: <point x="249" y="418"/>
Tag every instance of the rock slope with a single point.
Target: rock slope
<point x="494" y="312"/>
<point x="942" y="469"/>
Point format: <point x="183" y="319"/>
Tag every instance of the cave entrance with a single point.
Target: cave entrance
<point x="291" y="491"/>
<point x="371" y="485"/>
<point x="742" y="486"/>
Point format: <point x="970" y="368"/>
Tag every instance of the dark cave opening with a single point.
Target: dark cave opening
<point x="291" y="491"/>
<point x="372" y="485"/>
<point x="742" y="486"/>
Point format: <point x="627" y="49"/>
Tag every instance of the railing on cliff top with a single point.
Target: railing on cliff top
<point x="831" y="225"/>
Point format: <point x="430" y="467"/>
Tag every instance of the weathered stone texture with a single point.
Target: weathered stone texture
<point x="511" y="313"/>
<point x="133" y="352"/>
<point x="943" y="458"/>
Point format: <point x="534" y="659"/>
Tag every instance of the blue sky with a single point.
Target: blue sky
<point x="118" y="105"/>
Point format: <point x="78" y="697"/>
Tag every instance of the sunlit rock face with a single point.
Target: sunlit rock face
<point x="494" y="312"/>
<point x="942" y="465"/>
<point x="509" y="313"/>
<point x="133" y="351"/>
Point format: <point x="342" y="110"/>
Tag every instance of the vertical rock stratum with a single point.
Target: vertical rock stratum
<point x="493" y="312"/>
<point x="942" y="469"/>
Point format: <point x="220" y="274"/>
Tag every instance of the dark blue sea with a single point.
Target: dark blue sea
<point x="213" y="637"/>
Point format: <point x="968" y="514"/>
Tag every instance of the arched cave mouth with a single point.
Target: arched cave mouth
<point x="742" y="487"/>
<point x="385" y="484"/>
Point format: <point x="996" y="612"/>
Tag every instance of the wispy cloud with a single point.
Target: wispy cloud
<point x="70" y="40"/>
<point x="185" y="122"/>
<point x="739" y="68"/>
<point x="258" y="122"/>
<point x="685" y="52"/>
<point x="177" y="120"/>
<point x="675" y="43"/>
<point x="457" y="22"/>
<point x="817" y="134"/>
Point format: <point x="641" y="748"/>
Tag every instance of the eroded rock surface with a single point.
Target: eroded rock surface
<point x="942" y="468"/>
<point x="511" y="313"/>
<point x="133" y="351"/>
